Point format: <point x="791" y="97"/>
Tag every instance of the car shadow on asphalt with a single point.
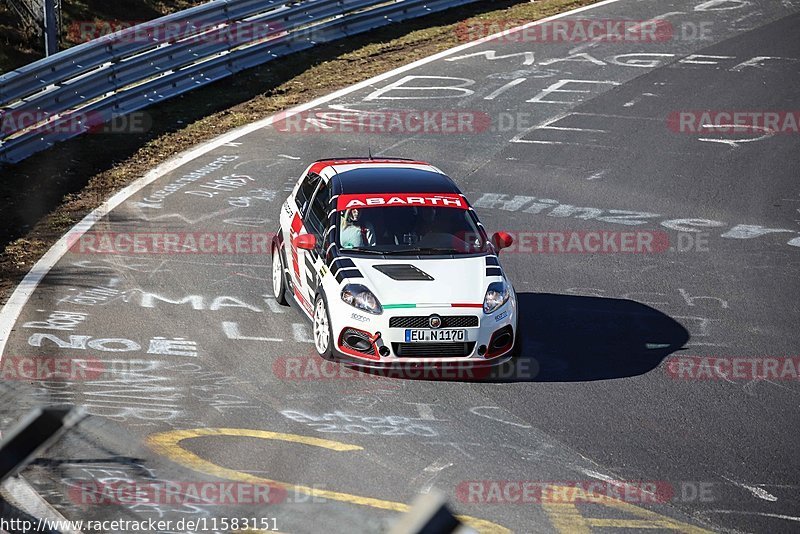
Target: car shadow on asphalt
<point x="571" y="338"/>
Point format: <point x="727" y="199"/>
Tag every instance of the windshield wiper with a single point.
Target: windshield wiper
<point x="362" y="250"/>
<point x="427" y="250"/>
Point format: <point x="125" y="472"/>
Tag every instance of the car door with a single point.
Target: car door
<point x="293" y="225"/>
<point x="315" y="222"/>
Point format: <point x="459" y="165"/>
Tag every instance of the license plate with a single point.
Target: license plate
<point x="426" y="336"/>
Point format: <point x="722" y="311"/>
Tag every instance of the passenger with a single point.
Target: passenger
<point x="354" y="231"/>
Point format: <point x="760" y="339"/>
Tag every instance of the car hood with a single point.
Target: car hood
<point x="403" y="280"/>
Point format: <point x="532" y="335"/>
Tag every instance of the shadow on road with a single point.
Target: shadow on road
<point x="568" y="338"/>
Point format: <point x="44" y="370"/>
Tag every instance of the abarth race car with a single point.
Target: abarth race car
<point x="389" y="261"/>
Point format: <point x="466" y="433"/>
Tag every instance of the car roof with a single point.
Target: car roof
<point x="383" y="175"/>
<point x="379" y="179"/>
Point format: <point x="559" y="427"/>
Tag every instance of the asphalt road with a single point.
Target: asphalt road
<point x="593" y="397"/>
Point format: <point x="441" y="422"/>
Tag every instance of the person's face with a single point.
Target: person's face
<point x="354" y="215"/>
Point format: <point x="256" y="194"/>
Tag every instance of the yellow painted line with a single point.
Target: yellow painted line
<point x="567" y="519"/>
<point x="176" y="436"/>
<point x="628" y="523"/>
<point x="169" y="444"/>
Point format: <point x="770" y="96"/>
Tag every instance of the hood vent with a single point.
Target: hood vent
<point x="402" y="271"/>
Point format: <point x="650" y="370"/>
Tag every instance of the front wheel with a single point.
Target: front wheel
<point x="278" y="277"/>
<point x="323" y="340"/>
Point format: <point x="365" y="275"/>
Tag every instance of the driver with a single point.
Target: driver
<point x="424" y="223"/>
<point x="354" y="231"/>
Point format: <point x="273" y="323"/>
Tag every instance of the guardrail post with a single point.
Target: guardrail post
<point x="50" y="28"/>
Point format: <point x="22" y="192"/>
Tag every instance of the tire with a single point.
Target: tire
<point x="323" y="339"/>
<point x="278" y="277"/>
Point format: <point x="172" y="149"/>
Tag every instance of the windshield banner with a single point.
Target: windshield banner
<point x="376" y="200"/>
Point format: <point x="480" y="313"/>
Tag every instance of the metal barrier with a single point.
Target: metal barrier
<point x="71" y="92"/>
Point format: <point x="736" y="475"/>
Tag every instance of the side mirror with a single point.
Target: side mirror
<point x="305" y="241"/>
<point x="502" y="240"/>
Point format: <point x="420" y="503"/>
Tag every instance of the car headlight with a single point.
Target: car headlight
<point x="362" y="298"/>
<point x="497" y="295"/>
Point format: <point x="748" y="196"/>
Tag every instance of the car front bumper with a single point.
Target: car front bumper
<point x="379" y="341"/>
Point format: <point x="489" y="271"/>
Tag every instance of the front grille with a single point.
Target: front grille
<point x="421" y="321"/>
<point x="433" y="350"/>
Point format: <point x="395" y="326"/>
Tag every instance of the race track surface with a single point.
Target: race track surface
<point x="581" y="141"/>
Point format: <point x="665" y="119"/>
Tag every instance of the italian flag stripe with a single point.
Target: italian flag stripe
<point x="452" y="305"/>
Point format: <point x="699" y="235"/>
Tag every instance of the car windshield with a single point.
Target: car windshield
<point x="409" y="230"/>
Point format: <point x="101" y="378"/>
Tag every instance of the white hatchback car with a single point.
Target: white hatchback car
<point x="391" y="264"/>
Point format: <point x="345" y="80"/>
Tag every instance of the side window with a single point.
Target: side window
<point x="320" y="206"/>
<point x="317" y="217"/>
<point x="305" y="191"/>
